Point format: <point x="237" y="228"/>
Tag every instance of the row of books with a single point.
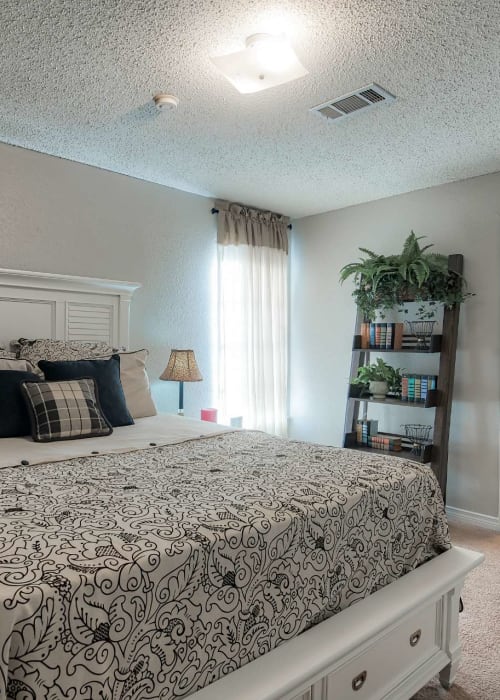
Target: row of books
<point x="382" y="336"/>
<point x="366" y="429"/>
<point x="389" y="444"/>
<point x="367" y="434"/>
<point x="415" y="387"/>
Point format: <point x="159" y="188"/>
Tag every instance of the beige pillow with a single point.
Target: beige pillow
<point x="135" y="384"/>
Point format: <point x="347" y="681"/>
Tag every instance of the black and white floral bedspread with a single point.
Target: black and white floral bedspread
<point x="152" y="573"/>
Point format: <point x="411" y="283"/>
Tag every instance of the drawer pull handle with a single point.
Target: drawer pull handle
<point x="359" y="681"/>
<point x="415" y="638"/>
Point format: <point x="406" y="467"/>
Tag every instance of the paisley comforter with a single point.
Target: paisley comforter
<point x="152" y="573"/>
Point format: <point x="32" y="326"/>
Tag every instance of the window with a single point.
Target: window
<point x="252" y="331"/>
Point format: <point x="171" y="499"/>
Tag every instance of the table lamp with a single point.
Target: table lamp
<point x="181" y="368"/>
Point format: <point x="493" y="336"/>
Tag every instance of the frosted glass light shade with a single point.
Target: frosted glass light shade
<point x="267" y="61"/>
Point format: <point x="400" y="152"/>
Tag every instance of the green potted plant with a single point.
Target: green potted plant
<point x="386" y="282"/>
<point x="379" y="379"/>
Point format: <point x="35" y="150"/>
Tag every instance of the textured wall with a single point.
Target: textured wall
<point x="462" y="217"/>
<point x="60" y="216"/>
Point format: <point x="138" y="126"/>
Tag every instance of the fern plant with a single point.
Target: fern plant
<point x="386" y="282"/>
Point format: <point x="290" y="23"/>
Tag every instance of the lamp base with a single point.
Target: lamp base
<point x="180" y="412"/>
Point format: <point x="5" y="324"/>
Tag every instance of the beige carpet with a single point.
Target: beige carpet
<point x="479" y="675"/>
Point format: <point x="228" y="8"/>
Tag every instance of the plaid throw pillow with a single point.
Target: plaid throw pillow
<point x="64" y="410"/>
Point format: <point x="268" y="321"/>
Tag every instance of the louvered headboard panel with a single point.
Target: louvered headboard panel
<point x="90" y="322"/>
<point x="63" y="307"/>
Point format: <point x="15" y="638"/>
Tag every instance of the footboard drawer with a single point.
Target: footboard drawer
<point x="367" y="675"/>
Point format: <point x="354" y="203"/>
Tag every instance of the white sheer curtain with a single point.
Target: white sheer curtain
<point x="253" y="318"/>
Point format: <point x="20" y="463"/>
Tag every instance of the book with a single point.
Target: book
<point x="372" y="335"/>
<point x="423" y="388"/>
<point x="389" y="338"/>
<point x="404" y="387"/>
<point x="418" y="382"/>
<point x="383" y="335"/>
<point x="411" y="388"/>
<point x="410" y="342"/>
<point x="398" y="336"/>
<point x="365" y="335"/>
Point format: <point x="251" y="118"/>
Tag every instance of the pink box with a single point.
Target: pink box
<point x="209" y="414"/>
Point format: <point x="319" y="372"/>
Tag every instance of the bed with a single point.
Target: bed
<point x="175" y="558"/>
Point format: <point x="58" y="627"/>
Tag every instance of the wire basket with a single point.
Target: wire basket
<point x="419" y="435"/>
<point x="422" y="330"/>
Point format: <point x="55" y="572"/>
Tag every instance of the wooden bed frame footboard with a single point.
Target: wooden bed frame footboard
<point x="385" y="647"/>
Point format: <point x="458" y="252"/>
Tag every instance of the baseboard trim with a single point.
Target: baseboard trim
<point x="458" y="515"/>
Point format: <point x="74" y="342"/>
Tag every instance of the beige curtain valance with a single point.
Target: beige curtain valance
<point x="241" y="225"/>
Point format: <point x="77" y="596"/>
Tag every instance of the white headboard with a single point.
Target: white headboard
<point x="64" y="307"/>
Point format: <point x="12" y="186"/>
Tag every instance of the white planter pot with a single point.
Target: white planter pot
<point x="378" y="389"/>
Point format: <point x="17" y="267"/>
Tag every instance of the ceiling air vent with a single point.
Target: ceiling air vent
<point x="354" y="102"/>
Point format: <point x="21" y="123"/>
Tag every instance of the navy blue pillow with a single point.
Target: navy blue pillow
<point x="107" y="376"/>
<point x="14" y="416"/>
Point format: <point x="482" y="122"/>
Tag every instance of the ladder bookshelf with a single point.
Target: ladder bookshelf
<point x="439" y="400"/>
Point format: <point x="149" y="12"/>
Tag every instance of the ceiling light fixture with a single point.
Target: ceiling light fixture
<point x="267" y="61"/>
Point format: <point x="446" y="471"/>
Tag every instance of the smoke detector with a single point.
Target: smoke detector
<point x="164" y="101"/>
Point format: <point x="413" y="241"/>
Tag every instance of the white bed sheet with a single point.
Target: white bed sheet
<point x="162" y="429"/>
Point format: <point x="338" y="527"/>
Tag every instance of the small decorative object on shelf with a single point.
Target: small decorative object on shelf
<point x="379" y="378"/>
<point x="419" y="435"/>
<point x="422" y="330"/>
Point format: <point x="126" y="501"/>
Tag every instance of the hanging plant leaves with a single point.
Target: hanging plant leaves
<point x="387" y="282"/>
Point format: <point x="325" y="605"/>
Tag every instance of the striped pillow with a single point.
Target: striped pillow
<point x="64" y="410"/>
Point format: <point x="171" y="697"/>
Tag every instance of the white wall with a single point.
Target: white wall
<point x="462" y="217"/>
<point x="61" y="216"/>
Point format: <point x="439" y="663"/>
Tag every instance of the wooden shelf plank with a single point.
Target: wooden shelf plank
<point x="431" y="401"/>
<point x="435" y="347"/>
<point x="424" y="458"/>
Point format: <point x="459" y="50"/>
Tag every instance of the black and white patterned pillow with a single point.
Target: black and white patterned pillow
<point x="64" y="410"/>
<point x="57" y="350"/>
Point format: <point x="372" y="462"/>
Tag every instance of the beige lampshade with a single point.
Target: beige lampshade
<point x="181" y="367"/>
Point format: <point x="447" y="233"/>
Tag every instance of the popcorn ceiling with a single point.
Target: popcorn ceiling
<point x="77" y="81"/>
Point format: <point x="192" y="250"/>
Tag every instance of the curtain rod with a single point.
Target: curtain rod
<point x="213" y="210"/>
